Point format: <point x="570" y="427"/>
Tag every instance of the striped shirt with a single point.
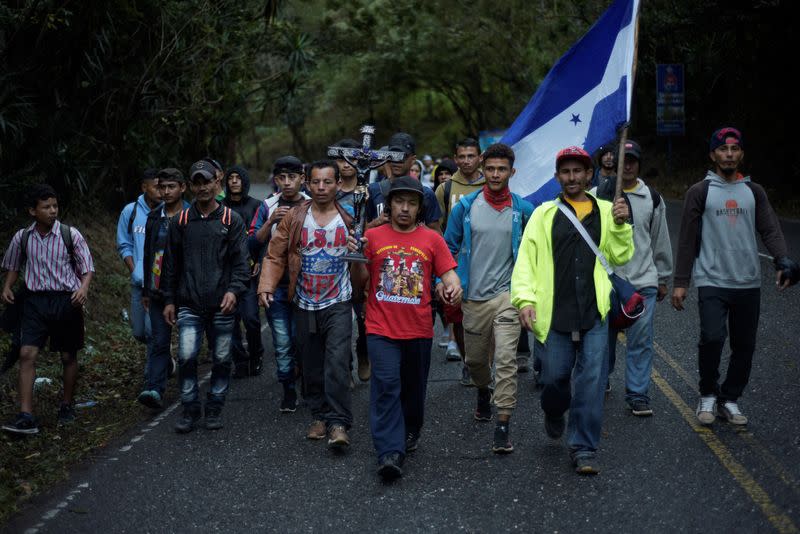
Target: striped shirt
<point x="48" y="267"/>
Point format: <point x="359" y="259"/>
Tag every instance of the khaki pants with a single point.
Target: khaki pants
<point x="497" y="321"/>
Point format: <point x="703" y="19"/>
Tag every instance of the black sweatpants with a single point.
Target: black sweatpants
<point x="721" y="310"/>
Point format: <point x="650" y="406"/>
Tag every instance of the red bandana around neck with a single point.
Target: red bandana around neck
<point x="499" y="200"/>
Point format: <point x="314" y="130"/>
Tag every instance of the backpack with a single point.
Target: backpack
<point x="183" y="217"/>
<point x="66" y="236"/>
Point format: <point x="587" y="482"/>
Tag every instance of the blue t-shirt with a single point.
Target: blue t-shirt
<point x="375" y="202"/>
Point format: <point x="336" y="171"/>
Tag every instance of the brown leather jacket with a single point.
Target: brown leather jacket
<point x="284" y="249"/>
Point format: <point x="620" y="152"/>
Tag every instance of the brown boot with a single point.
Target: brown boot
<point x="316" y="430"/>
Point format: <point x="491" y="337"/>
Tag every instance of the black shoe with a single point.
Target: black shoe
<point x="213" y="416"/>
<point x="641" y="408"/>
<point x="554" y="426"/>
<point x="483" y="410"/>
<point x="389" y="467"/>
<point x="66" y="414"/>
<point x="256" y="366"/>
<point x="412" y="440"/>
<point x="586" y="465"/>
<point x="289" y="402"/>
<point x="242" y="370"/>
<point x="188" y="420"/>
<point x="502" y="443"/>
<point x="23" y="423"/>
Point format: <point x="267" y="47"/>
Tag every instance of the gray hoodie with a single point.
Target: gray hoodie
<point x="651" y="264"/>
<point x="717" y="243"/>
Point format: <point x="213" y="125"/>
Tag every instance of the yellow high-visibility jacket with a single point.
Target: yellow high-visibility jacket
<point x="533" y="280"/>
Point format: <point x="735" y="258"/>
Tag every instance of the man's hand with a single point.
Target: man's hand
<point x="228" y="303"/>
<point x="352" y="244"/>
<point x="383" y="218"/>
<point x="129" y="264"/>
<point x="451" y="294"/>
<point x="8" y="295"/>
<point x="620" y="211"/>
<point x="678" y="296"/>
<point x="439" y="290"/>
<point x="662" y="292"/>
<point x="79" y="297"/>
<point x="265" y="299"/>
<point x="169" y="314"/>
<point x="146" y="303"/>
<point x="527" y="316"/>
<point x="278" y="215"/>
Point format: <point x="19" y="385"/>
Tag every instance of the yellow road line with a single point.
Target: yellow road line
<point x="774" y="515"/>
<point x="755" y="445"/>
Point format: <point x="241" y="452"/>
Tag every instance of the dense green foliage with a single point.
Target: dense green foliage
<point x="92" y="92"/>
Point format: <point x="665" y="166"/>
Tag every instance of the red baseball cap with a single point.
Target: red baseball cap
<point x="574" y="152"/>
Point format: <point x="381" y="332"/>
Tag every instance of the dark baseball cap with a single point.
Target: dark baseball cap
<point x="406" y="183"/>
<point x="289" y="164"/>
<point x="171" y="174"/>
<point x="721" y="136"/>
<point x="402" y="142"/>
<point x="632" y="148"/>
<point x="204" y="168"/>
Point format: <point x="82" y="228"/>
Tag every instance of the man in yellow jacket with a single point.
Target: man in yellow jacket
<point x="563" y="296"/>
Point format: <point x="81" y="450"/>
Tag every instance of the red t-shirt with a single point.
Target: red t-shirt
<point x="401" y="266"/>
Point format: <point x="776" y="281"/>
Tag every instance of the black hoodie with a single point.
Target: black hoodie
<point x="247" y="206"/>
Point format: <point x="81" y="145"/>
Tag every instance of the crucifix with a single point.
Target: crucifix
<point x="364" y="159"/>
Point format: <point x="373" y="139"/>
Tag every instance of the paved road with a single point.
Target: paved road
<point x="661" y="474"/>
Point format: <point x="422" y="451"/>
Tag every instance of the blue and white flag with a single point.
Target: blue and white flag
<point x="583" y="101"/>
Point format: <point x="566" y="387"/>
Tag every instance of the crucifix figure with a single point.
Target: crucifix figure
<point x="364" y="160"/>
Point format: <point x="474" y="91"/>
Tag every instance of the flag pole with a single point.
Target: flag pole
<point x="624" y="135"/>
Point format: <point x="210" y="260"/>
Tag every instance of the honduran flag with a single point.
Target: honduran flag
<point x="583" y="101"/>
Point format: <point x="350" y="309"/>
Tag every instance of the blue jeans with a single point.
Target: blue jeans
<point x="639" y="359"/>
<point x="139" y="318"/>
<point x="247" y="312"/>
<point x="582" y="366"/>
<point x="398" y="386"/>
<point x="219" y="330"/>
<point x="158" y="350"/>
<point x="281" y="323"/>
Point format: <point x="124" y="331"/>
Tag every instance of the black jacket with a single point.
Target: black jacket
<point x="247" y="206"/>
<point x="205" y="258"/>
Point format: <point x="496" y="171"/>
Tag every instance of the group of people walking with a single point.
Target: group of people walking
<point x="495" y="267"/>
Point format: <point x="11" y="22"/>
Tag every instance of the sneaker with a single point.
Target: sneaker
<point x="151" y="399"/>
<point x="444" y="341"/>
<point x="502" y="443"/>
<point x="730" y="411"/>
<point x="316" y="430"/>
<point x="337" y="438"/>
<point x="256" y="366"/>
<point x="706" y="408"/>
<point x="453" y="354"/>
<point x="173" y="366"/>
<point x="523" y="365"/>
<point x="554" y="426"/>
<point x="213" y="419"/>
<point x="641" y="408"/>
<point x="188" y="420"/>
<point x="608" y="387"/>
<point x="389" y="467"/>
<point x="483" y="409"/>
<point x="586" y="465"/>
<point x="66" y="414"/>
<point x="364" y="370"/>
<point x="412" y="440"/>
<point x="23" y="423"/>
<point x="289" y="402"/>
<point x="466" y="380"/>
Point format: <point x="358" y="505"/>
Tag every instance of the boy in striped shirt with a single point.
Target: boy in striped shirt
<point x="58" y="268"/>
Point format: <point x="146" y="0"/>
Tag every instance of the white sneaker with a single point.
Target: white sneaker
<point x="444" y="341"/>
<point x="706" y="409"/>
<point x="453" y="354"/>
<point x="730" y="411"/>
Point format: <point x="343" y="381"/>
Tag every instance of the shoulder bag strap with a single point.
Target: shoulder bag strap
<point x="585" y="235"/>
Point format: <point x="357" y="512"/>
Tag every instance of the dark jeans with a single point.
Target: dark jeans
<point x="158" y="351"/>
<point x="723" y="309"/>
<point x="281" y="324"/>
<point x="398" y="386"/>
<point x="582" y="367"/>
<point x="323" y="343"/>
<point x="218" y="329"/>
<point x="247" y="312"/>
